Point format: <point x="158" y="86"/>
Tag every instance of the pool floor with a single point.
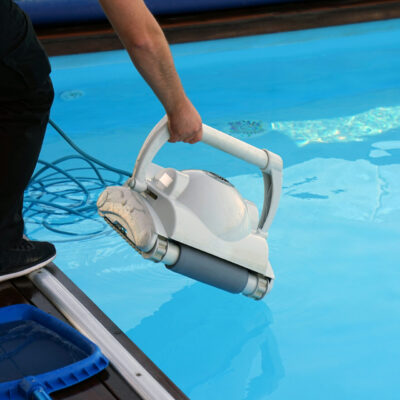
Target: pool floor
<point x="328" y="101"/>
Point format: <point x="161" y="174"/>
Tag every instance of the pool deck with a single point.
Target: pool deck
<point x="108" y="384"/>
<point x="99" y="36"/>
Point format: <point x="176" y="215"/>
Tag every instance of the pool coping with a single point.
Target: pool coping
<point x="109" y="384"/>
<point x="273" y="18"/>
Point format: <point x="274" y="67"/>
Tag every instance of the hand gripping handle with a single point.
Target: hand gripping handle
<point x="269" y="163"/>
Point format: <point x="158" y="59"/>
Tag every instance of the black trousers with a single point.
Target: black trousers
<point x="26" y="95"/>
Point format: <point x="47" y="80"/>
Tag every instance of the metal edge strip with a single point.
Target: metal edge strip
<point x="81" y="319"/>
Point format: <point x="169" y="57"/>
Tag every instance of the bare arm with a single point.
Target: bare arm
<point x="149" y="51"/>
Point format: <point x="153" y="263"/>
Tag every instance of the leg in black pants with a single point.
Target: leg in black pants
<point x="26" y="95"/>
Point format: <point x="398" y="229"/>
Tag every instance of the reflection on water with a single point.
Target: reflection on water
<point x="341" y="129"/>
<point x="354" y="190"/>
<point x="206" y="338"/>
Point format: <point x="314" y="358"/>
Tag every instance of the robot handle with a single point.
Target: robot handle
<point x="269" y="163"/>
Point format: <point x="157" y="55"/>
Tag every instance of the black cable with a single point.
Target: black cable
<point x="61" y="198"/>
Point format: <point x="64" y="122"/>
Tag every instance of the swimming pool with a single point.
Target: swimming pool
<point x="326" y="100"/>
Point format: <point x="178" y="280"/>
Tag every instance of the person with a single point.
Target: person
<point x="26" y="96"/>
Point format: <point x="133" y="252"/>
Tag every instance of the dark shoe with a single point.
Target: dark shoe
<point x="24" y="257"/>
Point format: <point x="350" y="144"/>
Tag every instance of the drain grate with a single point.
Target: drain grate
<point x="246" y="129"/>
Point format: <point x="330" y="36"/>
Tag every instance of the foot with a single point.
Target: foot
<point x="24" y="257"/>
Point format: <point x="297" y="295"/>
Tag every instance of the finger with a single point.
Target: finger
<point x="176" y="137"/>
<point x="188" y="140"/>
<point x="197" y="137"/>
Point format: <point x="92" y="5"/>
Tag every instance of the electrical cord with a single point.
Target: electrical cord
<point x="61" y="196"/>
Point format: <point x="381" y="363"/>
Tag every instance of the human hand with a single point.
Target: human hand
<point x="184" y="123"/>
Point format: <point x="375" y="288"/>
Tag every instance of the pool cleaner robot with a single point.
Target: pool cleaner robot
<point x="196" y="222"/>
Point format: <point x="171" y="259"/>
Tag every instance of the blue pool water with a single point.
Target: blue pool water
<point x="326" y="100"/>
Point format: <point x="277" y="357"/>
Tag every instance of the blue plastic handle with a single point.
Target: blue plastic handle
<point x="40" y="394"/>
